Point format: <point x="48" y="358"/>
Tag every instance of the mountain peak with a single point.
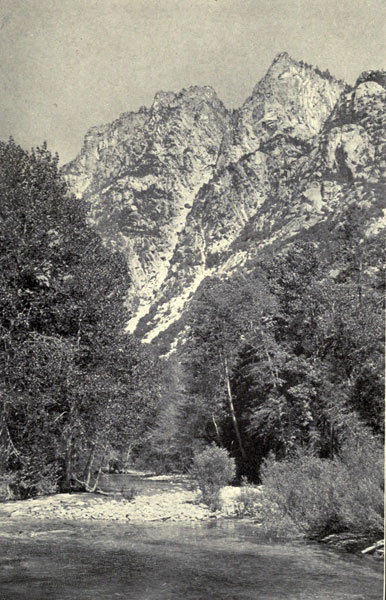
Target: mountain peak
<point x="282" y="66"/>
<point x="282" y="57"/>
<point x="284" y="62"/>
<point x="292" y="97"/>
<point x="164" y="97"/>
<point x="192" y="93"/>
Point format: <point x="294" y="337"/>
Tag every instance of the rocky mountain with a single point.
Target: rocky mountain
<point x="141" y="175"/>
<point x="188" y="189"/>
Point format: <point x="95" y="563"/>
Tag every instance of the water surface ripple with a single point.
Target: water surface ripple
<point x="223" y="560"/>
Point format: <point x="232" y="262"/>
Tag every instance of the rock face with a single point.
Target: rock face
<point x="188" y="189"/>
<point x="141" y="175"/>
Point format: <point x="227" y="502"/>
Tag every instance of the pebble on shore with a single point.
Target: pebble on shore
<point x="174" y="506"/>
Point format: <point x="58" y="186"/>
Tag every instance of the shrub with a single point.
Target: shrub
<point x="129" y="493"/>
<point x="318" y="497"/>
<point x="211" y="470"/>
<point x="6" y="482"/>
<point x="275" y="523"/>
<point x="35" y="479"/>
<point x="298" y="493"/>
<point x="248" y="503"/>
<point x="362" y="503"/>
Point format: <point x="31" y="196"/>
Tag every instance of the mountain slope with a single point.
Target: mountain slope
<point x="188" y="189"/>
<point x="141" y="174"/>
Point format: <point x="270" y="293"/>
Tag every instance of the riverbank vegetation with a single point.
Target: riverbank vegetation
<point x="211" y="470"/>
<point x="73" y="384"/>
<point x="287" y="362"/>
<point x="318" y="497"/>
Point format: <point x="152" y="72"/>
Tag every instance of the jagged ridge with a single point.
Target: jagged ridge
<point x="187" y="188"/>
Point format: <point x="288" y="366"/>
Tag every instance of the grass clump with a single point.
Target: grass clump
<point x="211" y="470"/>
<point x="317" y="497"/>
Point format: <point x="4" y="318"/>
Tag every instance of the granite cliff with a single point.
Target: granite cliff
<point x="188" y="189"/>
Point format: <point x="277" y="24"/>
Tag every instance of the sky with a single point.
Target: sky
<point x="67" y="65"/>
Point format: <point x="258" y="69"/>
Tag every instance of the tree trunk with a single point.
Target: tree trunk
<point x="332" y="441"/>
<point x="126" y="455"/>
<point x="99" y="469"/>
<point x="89" y="464"/>
<point x="232" y="410"/>
<point x="68" y="465"/>
<point x="359" y="283"/>
<point x="69" y="454"/>
<point x="99" y="472"/>
<point x="86" y="484"/>
<point x="217" y="430"/>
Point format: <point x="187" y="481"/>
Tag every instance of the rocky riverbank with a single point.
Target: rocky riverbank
<point x="174" y="505"/>
<point x="174" y="502"/>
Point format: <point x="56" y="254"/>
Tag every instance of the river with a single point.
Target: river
<point x="227" y="560"/>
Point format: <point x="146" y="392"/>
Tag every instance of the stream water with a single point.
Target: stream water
<point x="147" y="486"/>
<point x="227" y="560"/>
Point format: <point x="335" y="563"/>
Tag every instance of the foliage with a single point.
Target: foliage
<point x="6" y="482"/>
<point x="290" y="355"/>
<point x="173" y="436"/>
<point x="220" y="320"/>
<point x="211" y="470"/>
<point x="248" y="503"/>
<point x="130" y="493"/>
<point x="307" y="386"/>
<point x="72" y="381"/>
<point x="318" y="497"/>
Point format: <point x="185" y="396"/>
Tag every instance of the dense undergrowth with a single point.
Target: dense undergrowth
<point x="317" y="497"/>
<point x="304" y="495"/>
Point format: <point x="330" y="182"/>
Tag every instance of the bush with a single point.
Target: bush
<point x="361" y="507"/>
<point x="129" y="493"/>
<point x="248" y="503"/>
<point x="212" y="469"/>
<point x="318" y="497"/>
<point x="35" y="478"/>
<point x="6" y="482"/>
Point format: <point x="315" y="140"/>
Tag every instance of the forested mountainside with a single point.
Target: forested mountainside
<point x="188" y="189"/>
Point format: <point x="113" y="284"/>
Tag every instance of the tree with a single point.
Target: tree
<point x="327" y="339"/>
<point x="289" y="355"/>
<point x="184" y="423"/>
<point x="227" y="324"/>
<point x="213" y="335"/>
<point x="68" y="369"/>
